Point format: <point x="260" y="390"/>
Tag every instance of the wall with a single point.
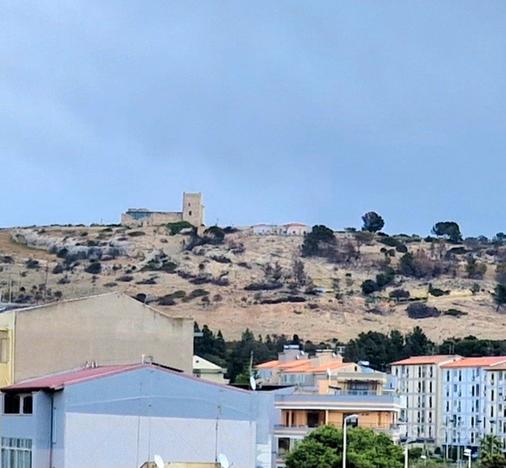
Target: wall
<point x="124" y="419"/>
<point x="110" y="329"/>
<point x="154" y="218"/>
<point x="7" y="323"/>
<point x="193" y="210"/>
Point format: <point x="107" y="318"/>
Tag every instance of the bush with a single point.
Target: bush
<point x="474" y="269"/>
<point x="6" y="259"/>
<point x="385" y="278"/>
<point x="176" y="228"/>
<point x="170" y="299"/>
<point x="58" y="268"/>
<point x="263" y="286"/>
<point x="32" y="264"/>
<point x="136" y="233"/>
<point x="319" y="242"/>
<point x="125" y="278"/>
<point x="436" y="292"/>
<point x="196" y="293"/>
<point x="282" y="299"/>
<point x="399" y="294"/>
<point x="369" y="286"/>
<point x="373" y="222"/>
<point x="221" y="259"/>
<point x="419" y="310"/>
<point x="110" y="285"/>
<point x="94" y="268"/>
<point x="454" y="313"/>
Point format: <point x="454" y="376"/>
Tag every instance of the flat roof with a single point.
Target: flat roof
<point x="421" y="360"/>
<point x="483" y="361"/>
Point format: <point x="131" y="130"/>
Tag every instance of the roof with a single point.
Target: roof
<point x="483" y="361"/>
<point x="501" y="366"/>
<point x="55" y="382"/>
<point x="96" y="296"/>
<point x="305" y="366"/>
<point x="203" y="364"/>
<point x="421" y="360"/>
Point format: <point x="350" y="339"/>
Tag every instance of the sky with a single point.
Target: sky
<point x="277" y="111"/>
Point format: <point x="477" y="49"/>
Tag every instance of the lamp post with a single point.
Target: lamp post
<point x="345" y="422"/>
<point x="467" y="453"/>
<point x="406" y="452"/>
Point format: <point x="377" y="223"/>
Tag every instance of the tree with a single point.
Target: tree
<point x="319" y="242"/>
<point x="500" y="295"/>
<point x="491" y="455"/>
<point x="500" y="273"/>
<point x="323" y="448"/>
<point x="369" y="286"/>
<point x="373" y="222"/>
<point x="417" y="343"/>
<point x="474" y="269"/>
<point x="448" y="229"/>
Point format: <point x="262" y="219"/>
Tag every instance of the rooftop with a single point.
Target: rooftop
<point x="424" y="360"/>
<point x="483" y="361"/>
<point x="59" y="381"/>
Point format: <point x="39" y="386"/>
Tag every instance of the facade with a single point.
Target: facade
<point x="106" y="329"/>
<point x="192" y="212"/>
<point x="467" y="393"/>
<point x="207" y="370"/>
<point x="123" y="415"/>
<point x="495" y="405"/>
<point x="302" y="413"/>
<point x="290" y="229"/>
<point x="419" y="381"/>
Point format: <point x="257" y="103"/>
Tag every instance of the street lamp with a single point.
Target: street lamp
<point x="345" y="422"/>
<point x="406" y="452"/>
<point x="467" y="453"/>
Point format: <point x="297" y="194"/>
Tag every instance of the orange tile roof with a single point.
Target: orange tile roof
<point x="497" y="367"/>
<point x="483" y="361"/>
<point x="421" y="360"/>
<point x="306" y="366"/>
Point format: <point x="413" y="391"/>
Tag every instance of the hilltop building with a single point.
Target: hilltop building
<point x="106" y="329"/>
<point x="122" y="415"/>
<point x="192" y="212"/>
<point x="290" y="229"/>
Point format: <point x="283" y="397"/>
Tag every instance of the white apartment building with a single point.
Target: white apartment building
<point x="419" y="381"/>
<point x="495" y="409"/>
<point x="465" y="399"/>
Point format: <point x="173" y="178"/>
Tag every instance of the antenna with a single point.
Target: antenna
<point x="252" y="383"/>
<point x="223" y="461"/>
<point x="159" y="462"/>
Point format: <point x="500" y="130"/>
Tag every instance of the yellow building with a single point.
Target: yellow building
<point x="105" y="329"/>
<point x="207" y="370"/>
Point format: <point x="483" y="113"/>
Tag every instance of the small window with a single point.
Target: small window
<point x="16" y="403"/>
<point x="190" y="212"/>
<point x="11" y="403"/>
<point x="4" y="346"/>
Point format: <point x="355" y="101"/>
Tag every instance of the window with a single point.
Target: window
<point x="18" y="403"/>
<point x="16" y="453"/>
<point x="283" y="445"/>
<point x="4" y="346"/>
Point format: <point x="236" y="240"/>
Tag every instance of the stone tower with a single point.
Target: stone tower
<point x="193" y="210"/>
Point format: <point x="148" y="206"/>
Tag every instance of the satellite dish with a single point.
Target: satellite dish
<point x="252" y="383"/>
<point x="223" y="461"/>
<point x="329" y="373"/>
<point x="159" y="462"/>
<point x="302" y="353"/>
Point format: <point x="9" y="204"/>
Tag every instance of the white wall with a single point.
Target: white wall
<point x="105" y="441"/>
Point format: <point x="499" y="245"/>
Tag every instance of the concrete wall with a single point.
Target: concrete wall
<point x="109" y="329"/>
<point x="153" y="219"/>
<point x="193" y="210"/>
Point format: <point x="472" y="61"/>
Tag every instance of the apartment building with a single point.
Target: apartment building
<point x="469" y="388"/>
<point x="495" y="406"/>
<point x="419" y="381"/>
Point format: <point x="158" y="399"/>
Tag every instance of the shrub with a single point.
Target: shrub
<point x="385" y="278"/>
<point x="419" y="310"/>
<point x="401" y="248"/>
<point x="94" y="268"/>
<point x="58" y="268"/>
<point x="474" y="269"/>
<point x="176" y="228"/>
<point x="454" y="313"/>
<point x="436" y="292"/>
<point x="32" y="264"/>
<point x="282" y="299"/>
<point x="125" y="278"/>
<point x="369" y="286"/>
<point x="6" y="259"/>
<point x="110" y="285"/>
<point x="136" y="233"/>
<point x="196" y="293"/>
<point x="170" y="299"/>
<point x="221" y="259"/>
<point x="449" y="230"/>
<point x="373" y="222"/>
<point x="399" y="294"/>
<point x="319" y="242"/>
<point x="263" y="286"/>
<point x="389" y="241"/>
<point x="147" y="281"/>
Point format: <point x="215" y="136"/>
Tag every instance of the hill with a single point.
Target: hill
<point x="232" y="279"/>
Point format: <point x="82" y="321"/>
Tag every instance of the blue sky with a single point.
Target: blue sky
<point x="277" y="111"/>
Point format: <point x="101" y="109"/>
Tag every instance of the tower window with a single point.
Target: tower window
<point x="190" y="212"/>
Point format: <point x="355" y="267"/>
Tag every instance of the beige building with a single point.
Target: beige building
<point x="419" y="381"/>
<point x="107" y="329"/>
<point x="207" y="370"/>
<point x="192" y="212"/>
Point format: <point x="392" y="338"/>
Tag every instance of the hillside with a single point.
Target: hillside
<point x="261" y="282"/>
